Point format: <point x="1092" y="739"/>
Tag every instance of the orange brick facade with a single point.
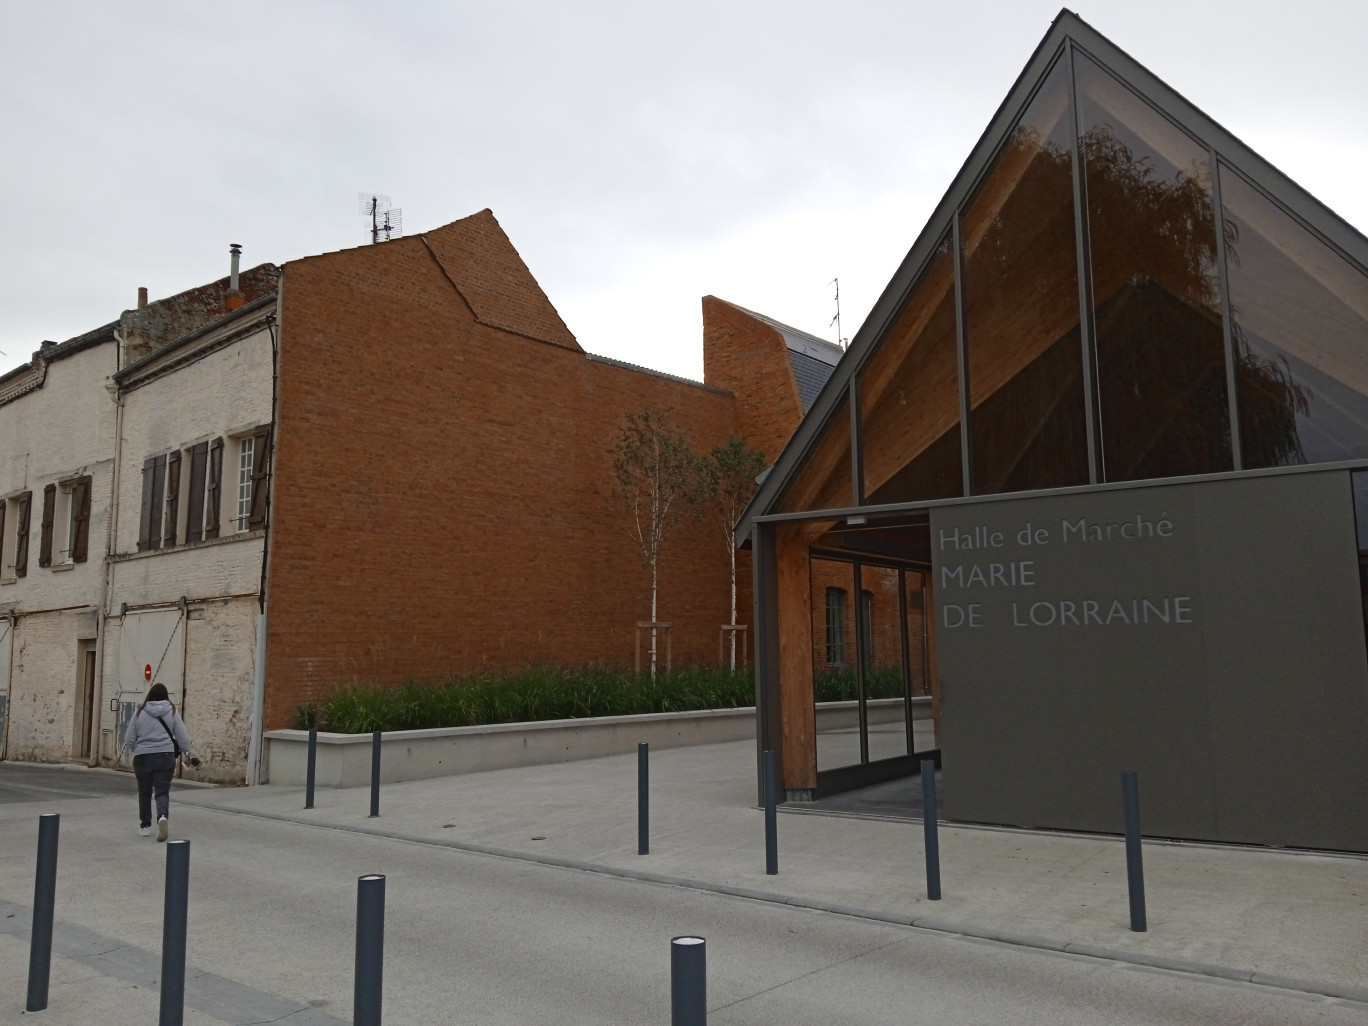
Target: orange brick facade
<point x="443" y="497"/>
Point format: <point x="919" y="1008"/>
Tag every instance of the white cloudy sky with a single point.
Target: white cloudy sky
<point x="639" y="155"/>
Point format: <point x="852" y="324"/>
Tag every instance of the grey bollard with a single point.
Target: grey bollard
<point x="174" y="914"/>
<point x="931" y="829"/>
<point x="311" y="768"/>
<point x="771" y="816"/>
<point x="643" y="799"/>
<point x="370" y="950"/>
<point x="688" y="981"/>
<point x="44" y="900"/>
<point x="1135" y="870"/>
<point x="375" y="774"/>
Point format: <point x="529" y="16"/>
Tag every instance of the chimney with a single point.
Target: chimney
<point x="142" y="296"/>
<point x="233" y="299"/>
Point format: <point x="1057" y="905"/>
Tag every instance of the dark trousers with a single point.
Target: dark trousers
<point x="153" y="771"/>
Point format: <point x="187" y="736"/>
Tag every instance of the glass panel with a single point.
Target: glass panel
<point x="833" y="663"/>
<point x="909" y="397"/>
<point x="1027" y="425"/>
<point x="882" y="655"/>
<point x="1299" y="314"/>
<point x="1161" y="374"/>
<point x="823" y="480"/>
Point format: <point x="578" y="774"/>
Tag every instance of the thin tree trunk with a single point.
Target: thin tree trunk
<point x="733" y="607"/>
<point x="654" y="578"/>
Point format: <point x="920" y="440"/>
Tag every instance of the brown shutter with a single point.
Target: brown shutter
<point x="194" y="514"/>
<point x="173" y="465"/>
<point x="4" y="505"/>
<point x="261" y="478"/>
<point x="45" y="537"/>
<point x="154" y="523"/>
<point x="22" y="533"/>
<point x="214" y="490"/>
<point x="145" y="522"/>
<point x="80" y="519"/>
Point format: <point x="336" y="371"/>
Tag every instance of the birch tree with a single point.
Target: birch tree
<point x="657" y="472"/>
<point x="729" y="473"/>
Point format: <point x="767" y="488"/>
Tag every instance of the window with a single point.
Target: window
<point x="246" y="448"/>
<point x="14" y="533"/>
<point x="182" y="496"/>
<point x="66" y="522"/>
<point x="835" y="627"/>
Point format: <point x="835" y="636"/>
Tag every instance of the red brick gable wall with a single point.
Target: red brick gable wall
<point x="491" y="276"/>
<point x="748" y="358"/>
<point x="443" y="496"/>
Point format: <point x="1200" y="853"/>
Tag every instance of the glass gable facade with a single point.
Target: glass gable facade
<point x="1111" y="300"/>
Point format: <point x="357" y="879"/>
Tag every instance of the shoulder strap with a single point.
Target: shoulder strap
<point x="172" y="736"/>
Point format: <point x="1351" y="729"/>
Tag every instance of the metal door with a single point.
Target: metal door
<point x="151" y="651"/>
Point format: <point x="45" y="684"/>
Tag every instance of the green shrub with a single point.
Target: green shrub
<point x="544" y="694"/>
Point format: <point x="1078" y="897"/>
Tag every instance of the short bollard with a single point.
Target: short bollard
<point x="931" y="829"/>
<point x="1135" y="870"/>
<point x="643" y="799"/>
<point x="370" y="950"/>
<point x="174" y="912"/>
<point x="311" y="768"/>
<point x="771" y="816"/>
<point x="688" y="981"/>
<point x="375" y="774"/>
<point x="44" y="899"/>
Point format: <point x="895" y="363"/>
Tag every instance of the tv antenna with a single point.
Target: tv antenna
<point x="387" y="222"/>
<point x="841" y="340"/>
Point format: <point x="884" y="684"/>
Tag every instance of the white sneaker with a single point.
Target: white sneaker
<point x="144" y="831"/>
<point x="163" y="828"/>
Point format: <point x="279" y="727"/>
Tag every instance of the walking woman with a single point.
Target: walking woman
<point x="158" y="737"/>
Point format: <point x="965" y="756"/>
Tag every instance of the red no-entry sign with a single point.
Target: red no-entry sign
<point x="147" y="672"/>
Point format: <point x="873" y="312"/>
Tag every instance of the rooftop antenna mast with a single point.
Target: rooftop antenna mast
<point x="387" y="222"/>
<point x="841" y="340"/>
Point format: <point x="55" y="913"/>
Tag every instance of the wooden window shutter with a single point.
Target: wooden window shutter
<point x="3" y="506"/>
<point x="45" y="538"/>
<point x="145" y="520"/>
<point x="80" y="519"/>
<point x="22" y="535"/>
<point x="194" y="512"/>
<point x="261" y="478"/>
<point x="154" y="523"/>
<point x="173" y="467"/>
<point x="214" y="490"/>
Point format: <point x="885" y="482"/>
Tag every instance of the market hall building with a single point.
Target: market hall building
<point x="1086" y="478"/>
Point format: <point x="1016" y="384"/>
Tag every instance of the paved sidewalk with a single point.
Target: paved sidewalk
<point x="1292" y="919"/>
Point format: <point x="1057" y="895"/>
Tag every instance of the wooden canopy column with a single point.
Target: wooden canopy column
<point x="798" y="726"/>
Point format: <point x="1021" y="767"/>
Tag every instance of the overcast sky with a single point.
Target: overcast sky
<point x="639" y="155"/>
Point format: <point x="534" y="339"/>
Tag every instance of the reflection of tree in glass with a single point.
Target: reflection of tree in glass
<point x="1169" y="229"/>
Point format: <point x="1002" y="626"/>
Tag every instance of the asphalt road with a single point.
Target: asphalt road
<point x="479" y="939"/>
<point x="31" y="782"/>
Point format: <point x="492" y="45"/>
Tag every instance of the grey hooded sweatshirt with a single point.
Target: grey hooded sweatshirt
<point x="145" y="735"/>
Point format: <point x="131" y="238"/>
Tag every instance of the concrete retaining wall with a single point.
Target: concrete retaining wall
<point x="344" y="759"/>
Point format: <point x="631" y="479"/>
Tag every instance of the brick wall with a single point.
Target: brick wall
<point x="748" y="358"/>
<point x="444" y="499"/>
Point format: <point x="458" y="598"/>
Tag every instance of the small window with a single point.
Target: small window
<point x="835" y="627"/>
<point x="246" y="451"/>
<point x="14" y="533"/>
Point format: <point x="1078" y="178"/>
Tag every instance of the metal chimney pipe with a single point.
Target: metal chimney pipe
<point x="235" y="251"/>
